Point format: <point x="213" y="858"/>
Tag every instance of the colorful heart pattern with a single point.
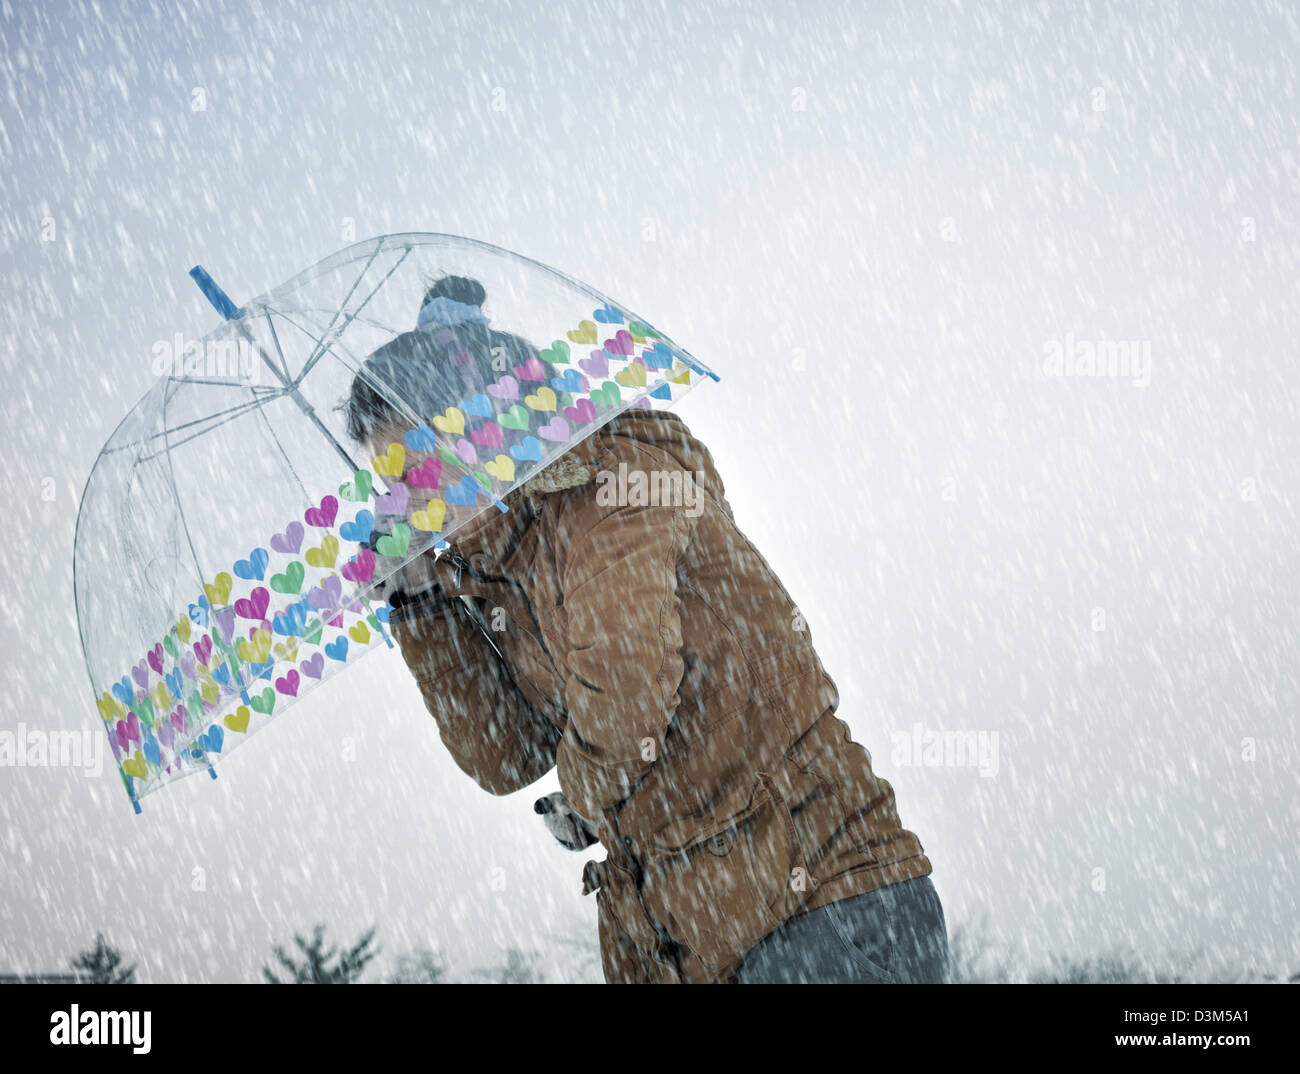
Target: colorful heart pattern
<point x="290" y="611"/>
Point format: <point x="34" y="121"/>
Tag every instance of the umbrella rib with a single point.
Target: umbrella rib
<point x="330" y="332"/>
<point x="233" y="412"/>
<point x="176" y="498"/>
<point x="226" y="418"/>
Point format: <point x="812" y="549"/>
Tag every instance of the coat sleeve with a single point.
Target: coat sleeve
<point x="625" y="667"/>
<point x="495" y="735"/>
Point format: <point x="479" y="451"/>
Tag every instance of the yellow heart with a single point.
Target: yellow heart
<point x="209" y="691"/>
<point x="391" y="463"/>
<point x="454" y="422"/>
<point x="183" y="628"/>
<point x="110" y="708"/>
<point x="632" y="377"/>
<point x="544" y="399"/>
<point x="161" y="697"/>
<point x="684" y="377"/>
<point x="325" y="555"/>
<point x="430" y="519"/>
<point x="255" y="651"/>
<point x="238" y="720"/>
<point x="286" y="650"/>
<point x="135" y="766"/>
<point x="205" y="674"/>
<point x="502" y="468"/>
<point x="585" y="333"/>
<point x="360" y="634"/>
<point x="219" y="591"/>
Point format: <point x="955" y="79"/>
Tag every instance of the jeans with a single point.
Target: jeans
<point x="893" y="935"/>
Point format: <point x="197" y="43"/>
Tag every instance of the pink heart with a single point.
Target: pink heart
<point x="581" y="413"/>
<point x="597" y="366"/>
<point x="394" y="501"/>
<point x="203" y="650"/>
<point x="290" y="540"/>
<point x="531" y="370"/>
<point x="178" y="718"/>
<point x="255" y="606"/>
<point x="133" y="728"/>
<point x="488" y="436"/>
<point x="361" y="568"/>
<point x="322" y="516"/>
<point x="156" y="659"/>
<point x="555" y="429"/>
<point x="465" y="452"/>
<point x="314" y="667"/>
<point x="122" y="734"/>
<point x="620" y="344"/>
<point x="426" y="475"/>
<point x="288" y="684"/>
<point x="506" y="388"/>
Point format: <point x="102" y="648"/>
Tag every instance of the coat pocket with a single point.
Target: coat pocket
<point x="725" y="886"/>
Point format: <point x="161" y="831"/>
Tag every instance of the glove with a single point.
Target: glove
<point x="574" y="831"/>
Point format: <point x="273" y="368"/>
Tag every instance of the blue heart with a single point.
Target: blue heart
<point x="211" y="742"/>
<point x="260" y="671"/>
<point x="359" y="528"/>
<point x="175" y="683"/>
<point x="529" y="449"/>
<point x="607" y="314"/>
<point x="660" y="356"/>
<point x="382" y="613"/>
<point x="199" y="611"/>
<point x="421" y="439"/>
<point x="479" y="405"/>
<point x="569" y="381"/>
<point x="152" y="753"/>
<point x="662" y="392"/>
<point x="465" y="493"/>
<point x="337" y="649"/>
<point x="254" y="566"/>
<point x="222" y="673"/>
<point x="292" y="622"/>
<point x="123" y="692"/>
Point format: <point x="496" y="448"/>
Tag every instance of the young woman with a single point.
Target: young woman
<point x="652" y="657"/>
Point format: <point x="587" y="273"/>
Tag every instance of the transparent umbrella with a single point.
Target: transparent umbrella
<point x="237" y="521"/>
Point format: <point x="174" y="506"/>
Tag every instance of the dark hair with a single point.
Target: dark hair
<point x="421" y="373"/>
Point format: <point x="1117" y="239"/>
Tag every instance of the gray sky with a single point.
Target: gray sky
<point x="875" y="221"/>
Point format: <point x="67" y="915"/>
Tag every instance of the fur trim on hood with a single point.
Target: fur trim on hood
<point x="565" y="472"/>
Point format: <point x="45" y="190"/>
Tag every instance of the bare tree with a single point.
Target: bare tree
<point x="421" y="966"/>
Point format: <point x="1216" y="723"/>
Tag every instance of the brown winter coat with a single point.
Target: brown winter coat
<point x="651" y="655"/>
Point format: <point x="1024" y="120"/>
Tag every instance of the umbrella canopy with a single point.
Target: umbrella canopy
<point x="325" y="434"/>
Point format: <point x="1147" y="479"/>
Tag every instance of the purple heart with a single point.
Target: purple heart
<point x="203" y="650"/>
<point x="187" y="665"/>
<point x="394" y="501"/>
<point x="178" y="718"/>
<point x="141" y="675"/>
<point x="225" y="623"/>
<point x="506" y="388"/>
<point x="465" y="452"/>
<point x="555" y="429"/>
<point x="166" y="734"/>
<point x="597" y="366"/>
<point x="327" y="596"/>
<point x="314" y="667"/>
<point x="290" y="540"/>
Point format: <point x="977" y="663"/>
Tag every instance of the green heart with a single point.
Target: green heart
<point x="557" y="353"/>
<point x="145" y="711"/>
<point x="483" y="479"/>
<point x="448" y="456"/>
<point x="396" y="543"/>
<point x="291" y="580"/>
<point x="636" y="328"/>
<point x="514" y="418"/>
<point x="606" y="395"/>
<point x="358" y="489"/>
<point x="313" y="632"/>
<point x="374" y="624"/>
<point x="265" y="703"/>
<point x="195" y="705"/>
<point x="169" y="643"/>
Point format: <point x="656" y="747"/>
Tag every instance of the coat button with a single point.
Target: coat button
<point x="720" y="845"/>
